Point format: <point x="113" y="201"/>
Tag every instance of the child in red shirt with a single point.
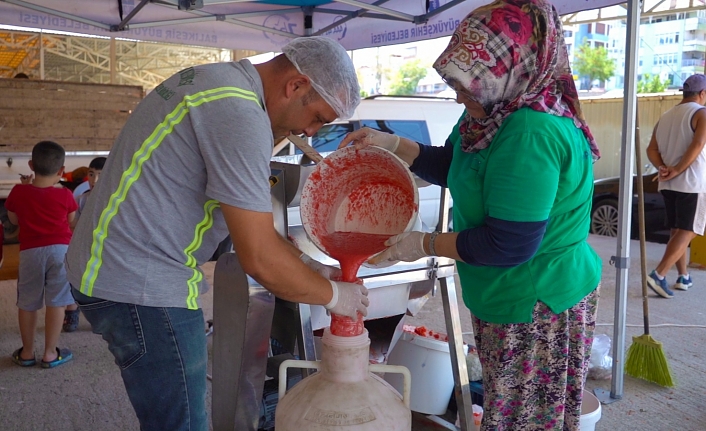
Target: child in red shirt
<point x="44" y="214"/>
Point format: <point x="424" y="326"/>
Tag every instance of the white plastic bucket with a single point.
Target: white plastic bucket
<point x="429" y="362"/>
<point x="369" y="191"/>
<point x="590" y="412"/>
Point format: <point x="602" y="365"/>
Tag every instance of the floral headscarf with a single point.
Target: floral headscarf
<point x="509" y="55"/>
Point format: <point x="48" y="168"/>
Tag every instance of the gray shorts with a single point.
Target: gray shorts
<point x="42" y="278"/>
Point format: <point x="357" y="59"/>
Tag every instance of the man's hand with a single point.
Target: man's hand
<point x="348" y="299"/>
<point x="407" y="247"/>
<point x="326" y="271"/>
<point x="666" y="173"/>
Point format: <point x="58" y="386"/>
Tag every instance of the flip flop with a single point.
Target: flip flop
<point x="16" y="358"/>
<point x="63" y="356"/>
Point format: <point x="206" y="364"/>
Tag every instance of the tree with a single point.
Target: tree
<point x="652" y="84"/>
<point x="405" y="81"/>
<point x="594" y="63"/>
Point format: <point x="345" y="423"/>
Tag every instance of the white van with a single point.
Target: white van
<point x="426" y="120"/>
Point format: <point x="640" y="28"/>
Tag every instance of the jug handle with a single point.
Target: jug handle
<point x="397" y="369"/>
<point x="292" y="363"/>
<point x="373" y="368"/>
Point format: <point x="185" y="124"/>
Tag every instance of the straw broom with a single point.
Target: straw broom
<point x="645" y="358"/>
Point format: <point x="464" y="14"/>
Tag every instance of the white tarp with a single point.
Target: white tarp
<point x="256" y="26"/>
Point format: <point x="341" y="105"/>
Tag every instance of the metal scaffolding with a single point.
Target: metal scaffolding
<point x="100" y="60"/>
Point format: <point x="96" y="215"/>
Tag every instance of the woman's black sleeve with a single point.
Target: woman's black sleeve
<point x="433" y="163"/>
<point x="500" y="242"/>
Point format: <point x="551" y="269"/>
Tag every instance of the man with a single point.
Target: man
<point x="677" y="150"/>
<point x="190" y="167"/>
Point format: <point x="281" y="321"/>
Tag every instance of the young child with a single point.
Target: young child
<point x="44" y="214"/>
<point x="71" y="315"/>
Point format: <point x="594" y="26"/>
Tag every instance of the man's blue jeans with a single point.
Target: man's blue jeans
<point x="162" y="357"/>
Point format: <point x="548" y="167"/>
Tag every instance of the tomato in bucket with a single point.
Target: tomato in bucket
<point x="351" y="203"/>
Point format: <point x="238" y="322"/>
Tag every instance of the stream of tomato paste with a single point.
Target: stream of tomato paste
<point x="351" y="249"/>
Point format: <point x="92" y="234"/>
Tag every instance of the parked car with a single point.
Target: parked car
<point x="605" y="212"/>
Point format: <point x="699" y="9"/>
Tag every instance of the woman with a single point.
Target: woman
<point x="519" y="167"/>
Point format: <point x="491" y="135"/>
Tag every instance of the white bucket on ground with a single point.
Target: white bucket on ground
<point x="590" y="411"/>
<point x="429" y="362"/>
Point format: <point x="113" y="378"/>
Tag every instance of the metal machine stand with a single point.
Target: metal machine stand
<point x="246" y="316"/>
<point x="447" y="278"/>
<point x="240" y="346"/>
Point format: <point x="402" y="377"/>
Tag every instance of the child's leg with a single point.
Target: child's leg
<point x="72" y="307"/>
<point x="52" y="328"/>
<point x="58" y="296"/>
<point x="28" y="326"/>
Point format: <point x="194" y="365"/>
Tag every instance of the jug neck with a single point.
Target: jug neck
<point x="345" y="359"/>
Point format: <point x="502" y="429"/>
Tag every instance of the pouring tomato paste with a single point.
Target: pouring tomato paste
<point x="352" y="202"/>
<point x="351" y="249"/>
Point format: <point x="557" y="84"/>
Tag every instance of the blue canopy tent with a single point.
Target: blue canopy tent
<point x="267" y="25"/>
<point x="256" y="25"/>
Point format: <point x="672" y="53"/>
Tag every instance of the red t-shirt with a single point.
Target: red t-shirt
<point x="42" y="214"/>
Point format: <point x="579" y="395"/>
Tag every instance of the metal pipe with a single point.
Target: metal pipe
<point x="627" y="157"/>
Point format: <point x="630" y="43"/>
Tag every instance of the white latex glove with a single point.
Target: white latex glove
<point x="366" y="136"/>
<point x="348" y="299"/>
<point x="326" y="271"/>
<point x="407" y="247"/>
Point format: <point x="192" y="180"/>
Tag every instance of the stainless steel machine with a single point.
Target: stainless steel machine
<point x="247" y="317"/>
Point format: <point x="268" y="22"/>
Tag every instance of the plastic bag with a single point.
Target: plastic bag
<point x="601" y="365"/>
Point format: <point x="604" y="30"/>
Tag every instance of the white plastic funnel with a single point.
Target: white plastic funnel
<point x="367" y="191"/>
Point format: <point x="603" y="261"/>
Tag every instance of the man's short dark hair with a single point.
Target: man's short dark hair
<point x="47" y="158"/>
<point x="97" y="163"/>
<point x="688" y="94"/>
<point x="310" y="97"/>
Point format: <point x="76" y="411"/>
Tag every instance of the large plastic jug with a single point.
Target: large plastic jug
<point x="344" y="394"/>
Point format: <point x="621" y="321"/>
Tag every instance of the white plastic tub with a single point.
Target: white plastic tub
<point x="590" y="412"/>
<point x="429" y="362"/>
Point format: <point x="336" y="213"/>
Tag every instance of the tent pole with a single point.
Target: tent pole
<point x="627" y="156"/>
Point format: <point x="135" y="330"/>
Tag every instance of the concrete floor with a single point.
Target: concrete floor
<point x="87" y="394"/>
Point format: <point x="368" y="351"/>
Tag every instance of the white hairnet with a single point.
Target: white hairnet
<point x="330" y="70"/>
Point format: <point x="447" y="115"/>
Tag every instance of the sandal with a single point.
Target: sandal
<point x="70" y="320"/>
<point x="63" y="356"/>
<point x="16" y="358"/>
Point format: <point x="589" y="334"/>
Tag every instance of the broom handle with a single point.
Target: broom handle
<point x="641" y="222"/>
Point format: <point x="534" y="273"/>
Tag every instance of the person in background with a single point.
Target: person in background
<point x="71" y="314"/>
<point x="192" y="165"/>
<point x="677" y="151"/>
<point x="83" y="187"/>
<point x="94" y="172"/>
<point x="44" y="214"/>
<point x="519" y="165"/>
<point x="74" y="179"/>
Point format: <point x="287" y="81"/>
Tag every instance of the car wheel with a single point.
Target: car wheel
<point x="604" y="218"/>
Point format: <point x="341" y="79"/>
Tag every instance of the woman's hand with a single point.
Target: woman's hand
<point x="366" y="136"/>
<point x="406" y="247"/>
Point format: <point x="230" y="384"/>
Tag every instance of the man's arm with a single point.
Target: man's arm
<point x="271" y="260"/>
<point x="72" y="219"/>
<point x="12" y="217"/>
<point x="653" y="151"/>
<point x="698" y="122"/>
